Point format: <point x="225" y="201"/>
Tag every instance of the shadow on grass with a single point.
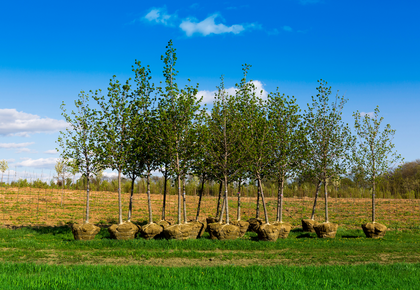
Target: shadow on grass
<point x="307" y="236"/>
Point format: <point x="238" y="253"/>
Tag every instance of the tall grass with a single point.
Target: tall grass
<point x="371" y="276"/>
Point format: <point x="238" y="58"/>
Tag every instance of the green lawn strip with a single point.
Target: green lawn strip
<point x="57" y="245"/>
<point x="368" y="276"/>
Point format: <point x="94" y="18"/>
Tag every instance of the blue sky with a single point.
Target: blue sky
<point x="50" y="50"/>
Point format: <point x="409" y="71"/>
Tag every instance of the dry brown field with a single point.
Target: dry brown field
<point x="33" y="206"/>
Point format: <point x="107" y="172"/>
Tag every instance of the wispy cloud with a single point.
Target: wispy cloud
<point x="208" y="96"/>
<point x="53" y="151"/>
<point x="160" y="16"/>
<point x="287" y="28"/>
<point x="370" y="114"/>
<point x="25" y="150"/>
<point x="14" y="123"/>
<point x="208" y="26"/>
<point x="15" y="145"/>
<point x="192" y="26"/>
<point x="45" y="163"/>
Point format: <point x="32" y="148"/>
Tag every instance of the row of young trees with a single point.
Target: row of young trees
<point x="138" y="128"/>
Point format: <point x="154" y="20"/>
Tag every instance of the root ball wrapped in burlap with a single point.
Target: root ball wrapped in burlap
<point x="84" y="232"/>
<point x="284" y="229"/>
<point x="308" y="225"/>
<point x="124" y="231"/>
<point x="150" y="231"/>
<point x="326" y="230"/>
<point x="178" y="232"/>
<point x="374" y="230"/>
<point x="268" y="232"/>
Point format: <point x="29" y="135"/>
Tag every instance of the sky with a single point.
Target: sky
<point x="52" y="50"/>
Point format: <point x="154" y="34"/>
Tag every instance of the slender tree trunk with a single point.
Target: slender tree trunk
<point x="239" y="200"/>
<point x="184" y="202"/>
<point x="257" y="212"/>
<point x="62" y="191"/>
<point x="199" y="199"/>
<point x="263" y="200"/>
<point x="120" y="220"/>
<point x="280" y="201"/>
<point x="218" y="200"/>
<point x="318" y="185"/>
<point x="326" y="199"/>
<point x="226" y="200"/>
<point x="164" y="195"/>
<point x="222" y="211"/>
<point x="179" y="190"/>
<point x="130" y="204"/>
<point x="373" y="199"/>
<point x="149" y="200"/>
<point x="87" y="195"/>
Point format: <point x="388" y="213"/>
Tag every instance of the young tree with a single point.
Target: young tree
<point x="329" y="143"/>
<point x="179" y="112"/>
<point x="288" y="141"/>
<point x="78" y="144"/>
<point x="61" y="169"/>
<point x="228" y="140"/>
<point x="140" y="140"/>
<point x="374" y="155"/>
<point x="113" y="130"/>
<point x="3" y="167"/>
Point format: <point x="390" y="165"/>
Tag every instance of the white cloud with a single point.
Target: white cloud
<point x="370" y="114"/>
<point x="208" y="96"/>
<point x="287" y="28"/>
<point x="25" y="150"/>
<point x="53" y="151"/>
<point x="47" y="163"/>
<point x="17" y="123"/>
<point x="15" y="145"/>
<point x="160" y="16"/>
<point x="208" y="26"/>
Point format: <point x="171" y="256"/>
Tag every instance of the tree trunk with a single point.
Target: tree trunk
<point x="184" y="202"/>
<point x="263" y="200"/>
<point x="130" y="204"/>
<point x="62" y="191"/>
<point x="373" y="199"/>
<point x="326" y="199"/>
<point x="87" y="196"/>
<point x="119" y="198"/>
<point x="199" y="199"/>
<point x="239" y="200"/>
<point x="318" y="185"/>
<point x="179" y="190"/>
<point x="149" y="201"/>
<point x="226" y="200"/>
<point x="164" y="195"/>
<point x="257" y="213"/>
<point x="222" y="211"/>
<point x="218" y="200"/>
<point x="280" y="201"/>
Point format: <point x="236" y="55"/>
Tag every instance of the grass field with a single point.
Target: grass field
<point x="35" y="253"/>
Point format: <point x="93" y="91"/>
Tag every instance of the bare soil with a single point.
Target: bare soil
<point x="29" y="206"/>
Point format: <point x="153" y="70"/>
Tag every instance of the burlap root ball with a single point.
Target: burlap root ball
<point x="254" y="223"/>
<point x="150" y="231"/>
<point x="243" y="227"/>
<point x="284" y="229"/>
<point x="268" y="232"/>
<point x="326" y="230"/>
<point x="198" y="228"/>
<point x="178" y="232"/>
<point x="223" y="231"/>
<point x="85" y="232"/>
<point x="124" y="231"/>
<point x="374" y="230"/>
<point x="308" y="225"/>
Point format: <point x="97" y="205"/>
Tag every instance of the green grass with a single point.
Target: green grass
<point x="57" y="246"/>
<point x="371" y="276"/>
